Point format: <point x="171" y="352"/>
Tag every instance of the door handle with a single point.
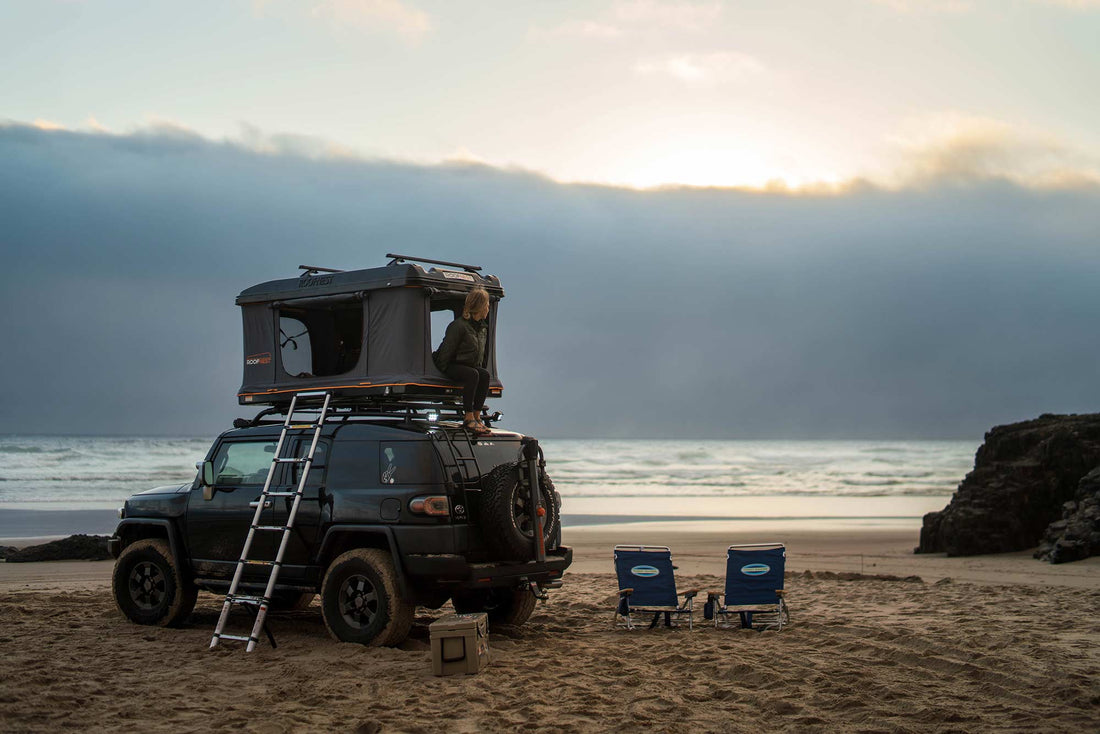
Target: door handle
<point x="256" y="503"/>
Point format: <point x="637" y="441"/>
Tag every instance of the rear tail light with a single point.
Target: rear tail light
<point x="439" y="506"/>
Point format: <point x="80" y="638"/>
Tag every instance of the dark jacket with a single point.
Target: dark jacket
<point x="464" y="344"/>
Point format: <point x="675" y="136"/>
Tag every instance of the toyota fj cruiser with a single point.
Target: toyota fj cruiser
<point x="399" y="507"/>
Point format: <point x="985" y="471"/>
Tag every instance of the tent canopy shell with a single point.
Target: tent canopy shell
<point x="361" y="334"/>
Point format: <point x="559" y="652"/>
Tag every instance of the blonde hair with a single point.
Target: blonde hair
<point x="476" y="300"/>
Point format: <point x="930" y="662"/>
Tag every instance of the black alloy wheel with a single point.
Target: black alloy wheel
<point x="358" y="601"/>
<point x="148" y="586"/>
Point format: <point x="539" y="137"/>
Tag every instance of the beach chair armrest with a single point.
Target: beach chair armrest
<point x="625" y="592"/>
<point x="714" y="595"/>
<point x="780" y="593"/>
<point x="689" y="594"/>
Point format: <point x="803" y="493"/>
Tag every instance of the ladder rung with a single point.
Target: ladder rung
<point x="243" y="599"/>
<point x="278" y="460"/>
<point x="238" y="638"/>
<point x="252" y="562"/>
<point x="305" y="425"/>
<point x="280" y="528"/>
<point x="281" y="494"/>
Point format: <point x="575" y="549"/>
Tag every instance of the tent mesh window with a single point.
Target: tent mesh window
<point x="320" y="341"/>
<point x="445" y="309"/>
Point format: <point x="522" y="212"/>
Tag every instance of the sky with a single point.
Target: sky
<point x="858" y="219"/>
<point x="629" y="92"/>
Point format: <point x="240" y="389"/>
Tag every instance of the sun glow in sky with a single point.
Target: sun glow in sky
<point x="640" y="93"/>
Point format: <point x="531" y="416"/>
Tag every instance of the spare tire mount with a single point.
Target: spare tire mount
<point x="532" y="454"/>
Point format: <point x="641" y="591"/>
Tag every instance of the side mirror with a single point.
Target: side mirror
<point x="207" y="480"/>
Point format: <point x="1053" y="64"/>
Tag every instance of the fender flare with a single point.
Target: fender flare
<point x="175" y="545"/>
<point x="373" y="531"/>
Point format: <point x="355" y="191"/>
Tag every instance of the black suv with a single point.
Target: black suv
<point x="397" y="512"/>
<point x="399" y="509"/>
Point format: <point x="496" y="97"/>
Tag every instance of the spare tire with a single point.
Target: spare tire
<point x="506" y="515"/>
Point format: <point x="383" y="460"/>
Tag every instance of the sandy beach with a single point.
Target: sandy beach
<point x="988" y="643"/>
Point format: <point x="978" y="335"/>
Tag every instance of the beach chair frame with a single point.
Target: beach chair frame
<point x="673" y="614"/>
<point x="770" y="613"/>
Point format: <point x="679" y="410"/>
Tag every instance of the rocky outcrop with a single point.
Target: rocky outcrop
<point x="1077" y="534"/>
<point x="1023" y="475"/>
<point x="73" y="548"/>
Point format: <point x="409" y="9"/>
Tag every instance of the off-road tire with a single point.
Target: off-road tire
<point x="504" y="606"/>
<point x="504" y="512"/>
<point x="360" y="601"/>
<point x="291" y="601"/>
<point x="148" y="587"/>
<point x="553" y="529"/>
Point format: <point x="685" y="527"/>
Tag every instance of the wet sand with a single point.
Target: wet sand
<point x="989" y="643"/>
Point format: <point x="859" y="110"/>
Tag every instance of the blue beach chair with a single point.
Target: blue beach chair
<point x="754" y="588"/>
<point x="647" y="584"/>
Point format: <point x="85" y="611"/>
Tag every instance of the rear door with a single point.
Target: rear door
<point x="216" y="528"/>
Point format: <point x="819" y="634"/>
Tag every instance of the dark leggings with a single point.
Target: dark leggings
<point x="475" y="385"/>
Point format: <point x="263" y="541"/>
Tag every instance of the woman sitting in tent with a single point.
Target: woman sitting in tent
<point x="462" y="353"/>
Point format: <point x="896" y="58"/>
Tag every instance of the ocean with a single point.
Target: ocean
<point x="865" y="482"/>
<point x="600" y="480"/>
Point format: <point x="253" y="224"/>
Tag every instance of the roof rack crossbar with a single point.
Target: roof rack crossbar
<point x="407" y="258"/>
<point x="314" y="269"/>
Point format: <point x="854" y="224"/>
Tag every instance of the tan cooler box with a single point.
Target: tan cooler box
<point x="460" y="643"/>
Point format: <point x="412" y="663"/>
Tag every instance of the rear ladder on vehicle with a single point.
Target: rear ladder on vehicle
<point x="469" y="478"/>
<point x="260" y="604"/>
<point x="461" y="462"/>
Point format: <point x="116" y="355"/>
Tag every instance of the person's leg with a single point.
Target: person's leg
<point x="482" y="389"/>
<point x="467" y="377"/>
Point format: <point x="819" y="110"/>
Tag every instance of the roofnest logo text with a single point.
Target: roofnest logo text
<point x="308" y="281"/>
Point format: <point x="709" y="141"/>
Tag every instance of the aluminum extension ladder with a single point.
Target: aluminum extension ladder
<point x="261" y="602"/>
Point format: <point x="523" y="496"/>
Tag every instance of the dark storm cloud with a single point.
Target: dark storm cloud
<point x="921" y="313"/>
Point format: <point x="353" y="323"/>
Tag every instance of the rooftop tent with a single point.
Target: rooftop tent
<point x="362" y="334"/>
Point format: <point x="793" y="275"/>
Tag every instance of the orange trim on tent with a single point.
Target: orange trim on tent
<point x="361" y="385"/>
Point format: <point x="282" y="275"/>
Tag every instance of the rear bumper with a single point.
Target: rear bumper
<point x="114" y="546"/>
<point x="455" y="569"/>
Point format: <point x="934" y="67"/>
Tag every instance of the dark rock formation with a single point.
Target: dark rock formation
<point x="72" y="548"/>
<point x="1023" y="474"/>
<point x="7" y="550"/>
<point x="1077" y="534"/>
